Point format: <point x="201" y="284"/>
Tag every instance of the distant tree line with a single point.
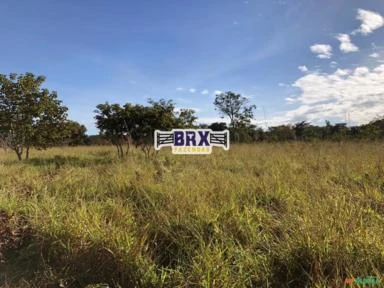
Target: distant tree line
<point x="32" y="116"/>
<point x="304" y="131"/>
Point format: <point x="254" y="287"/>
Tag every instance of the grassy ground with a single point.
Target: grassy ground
<point x="266" y="215"/>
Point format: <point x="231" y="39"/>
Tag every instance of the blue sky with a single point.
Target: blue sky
<point x="126" y="51"/>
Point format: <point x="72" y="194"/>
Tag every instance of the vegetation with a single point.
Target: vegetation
<point x="268" y="215"/>
<point x="302" y="208"/>
<point x="122" y="125"/>
<point x="137" y="123"/>
<point x="30" y="116"/>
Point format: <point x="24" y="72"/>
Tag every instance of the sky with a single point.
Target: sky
<point x="295" y="60"/>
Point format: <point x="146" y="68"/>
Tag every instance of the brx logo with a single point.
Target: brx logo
<point x="191" y="141"/>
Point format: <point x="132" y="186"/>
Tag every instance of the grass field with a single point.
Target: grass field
<point x="265" y="215"/>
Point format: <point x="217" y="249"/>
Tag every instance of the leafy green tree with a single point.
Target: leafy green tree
<point x="240" y="113"/>
<point x="160" y="115"/>
<point x="218" y="126"/>
<point x="300" y="130"/>
<point x="281" y="133"/>
<point x="137" y="123"/>
<point x="30" y="116"/>
<point x="374" y="130"/>
<point x="111" y="121"/>
<point x="75" y="133"/>
<point x="235" y="107"/>
<point x="186" y="118"/>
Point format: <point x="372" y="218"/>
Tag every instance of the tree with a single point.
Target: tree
<point x="30" y="116"/>
<point x="160" y="115"/>
<point x="186" y="118"/>
<point x="281" y="133"/>
<point x="374" y="130"/>
<point x="300" y="129"/>
<point x="218" y="126"/>
<point x="138" y="123"/>
<point x="75" y="133"/>
<point x="111" y="121"/>
<point x="235" y="107"/>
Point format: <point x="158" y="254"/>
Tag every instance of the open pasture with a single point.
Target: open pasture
<point x="265" y="215"/>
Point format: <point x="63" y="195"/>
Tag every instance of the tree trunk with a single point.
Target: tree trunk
<point x="118" y="150"/>
<point x="121" y="151"/>
<point x="19" y="153"/>
<point x="27" y="153"/>
<point x="128" y="146"/>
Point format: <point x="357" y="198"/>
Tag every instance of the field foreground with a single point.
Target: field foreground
<point x="266" y="215"/>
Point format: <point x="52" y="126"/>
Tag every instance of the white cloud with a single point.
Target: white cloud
<point x="323" y="51"/>
<point x="303" y="68"/>
<point x="358" y="93"/>
<point x="370" y="21"/>
<point x="179" y="88"/>
<point x="210" y="120"/>
<point x="192" y="90"/>
<point x="374" y="55"/>
<point x="205" y="92"/>
<point x="346" y="46"/>
<point x="342" y="72"/>
<point x="333" y="64"/>
<point x="290" y="100"/>
<point x="217" y="92"/>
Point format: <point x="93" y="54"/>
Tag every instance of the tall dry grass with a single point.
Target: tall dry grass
<point x="265" y="215"/>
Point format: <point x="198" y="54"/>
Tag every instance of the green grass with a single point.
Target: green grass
<point x="265" y="215"/>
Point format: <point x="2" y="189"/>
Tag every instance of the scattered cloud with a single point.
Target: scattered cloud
<point x="205" y="92"/>
<point x="374" y="55"/>
<point x="247" y="96"/>
<point x="346" y="46"/>
<point x="290" y="100"/>
<point x="281" y="84"/>
<point x="333" y="64"/>
<point x="303" y="68"/>
<point x="358" y="93"/>
<point x="217" y="92"/>
<point x="179" y="88"/>
<point x="210" y="120"/>
<point x="323" y="51"/>
<point x="192" y="90"/>
<point x="370" y="21"/>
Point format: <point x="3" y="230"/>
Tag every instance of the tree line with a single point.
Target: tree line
<point x="32" y="116"/>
